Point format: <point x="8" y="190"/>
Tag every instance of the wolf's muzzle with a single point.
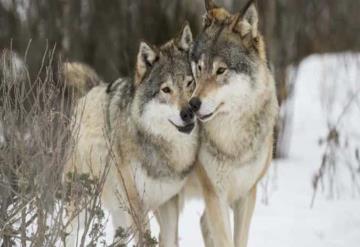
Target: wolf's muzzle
<point x="195" y="104"/>
<point x="188" y="117"/>
<point x="187" y="114"/>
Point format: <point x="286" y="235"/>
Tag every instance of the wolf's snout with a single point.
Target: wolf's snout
<point x="185" y="123"/>
<point x="195" y="104"/>
<point x="186" y="114"/>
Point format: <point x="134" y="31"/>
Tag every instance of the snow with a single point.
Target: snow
<point x="283" y="216"/>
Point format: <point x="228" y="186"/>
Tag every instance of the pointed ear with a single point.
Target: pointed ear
<point x="146" y="58"/>
<point x="247" y="21"/>
<point x="185" y="38"/>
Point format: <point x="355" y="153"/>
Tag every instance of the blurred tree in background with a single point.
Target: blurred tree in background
<point x="106" y="34"/>
<point x="103" y="34"/>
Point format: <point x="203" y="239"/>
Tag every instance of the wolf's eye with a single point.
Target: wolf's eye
<point x="220" y="71"/>
<point x="189" y="83"/>
<point x="199" y="67"/>
<point x="166" y="90"/>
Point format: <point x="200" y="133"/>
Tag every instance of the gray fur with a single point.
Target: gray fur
<point x="214" y="41"/>
<point x="156" y="161"/>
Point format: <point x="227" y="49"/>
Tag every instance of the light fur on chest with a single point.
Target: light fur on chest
<point x="233" y="179"/>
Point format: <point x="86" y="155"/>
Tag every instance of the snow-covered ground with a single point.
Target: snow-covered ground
<point x="287" y="220"/>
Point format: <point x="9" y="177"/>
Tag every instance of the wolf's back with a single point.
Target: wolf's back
<point x="89" y="132"/>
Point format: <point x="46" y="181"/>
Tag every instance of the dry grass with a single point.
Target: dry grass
<point x="35" y="143"/>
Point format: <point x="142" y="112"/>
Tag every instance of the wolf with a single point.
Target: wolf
<point x="144" y="127"/>
<point x="235" y="101"/>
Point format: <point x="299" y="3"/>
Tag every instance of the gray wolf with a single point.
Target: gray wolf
<point x="144" y="128"/>
<point x="235" y="101"/>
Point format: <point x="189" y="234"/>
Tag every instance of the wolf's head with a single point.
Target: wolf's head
<point x="164" y="85"/>
<point x="228" y="62"/>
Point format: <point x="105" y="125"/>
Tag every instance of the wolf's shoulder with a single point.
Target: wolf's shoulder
<point x="120" y="92"/>
<point x="118" y="85"/>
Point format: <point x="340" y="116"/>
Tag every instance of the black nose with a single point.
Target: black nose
<point x="195" y="104"/>
<point x="186" y="114"/>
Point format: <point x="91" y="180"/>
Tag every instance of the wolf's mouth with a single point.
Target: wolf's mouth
<point x="184" y="129"/>
<point x="206" y="117"/>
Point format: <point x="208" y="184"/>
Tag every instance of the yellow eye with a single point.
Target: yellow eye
<point x="166" y="90"/>
<point x="220" y="71"/>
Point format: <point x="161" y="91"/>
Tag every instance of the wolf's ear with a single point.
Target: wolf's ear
<point x="146" y="58"/>
<point x="185" y="38"/>
<point x="246" y="22"/>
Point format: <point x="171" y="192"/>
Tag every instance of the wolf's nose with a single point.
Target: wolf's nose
<point x="186" y="114"/>
<point x="195" y="104"/>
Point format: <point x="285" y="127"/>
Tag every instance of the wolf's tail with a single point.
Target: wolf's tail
<point x="79" y="78"/>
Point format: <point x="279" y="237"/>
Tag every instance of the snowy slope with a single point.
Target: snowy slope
<point x="287" y="220"/>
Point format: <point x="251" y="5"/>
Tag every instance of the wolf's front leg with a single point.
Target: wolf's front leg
<point x="216" y="214"/>
<point x="119" y="212"/>
<point x="217" y="222"/>
<point x="168" y="217"/>
<point x="209" y="242"/>
<point x="243" y="211"/>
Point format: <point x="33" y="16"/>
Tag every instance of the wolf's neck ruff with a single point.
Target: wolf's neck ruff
<point x="248" y="135"/>
<point x="214" y="149"/>
<point x="154" y="146"/>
